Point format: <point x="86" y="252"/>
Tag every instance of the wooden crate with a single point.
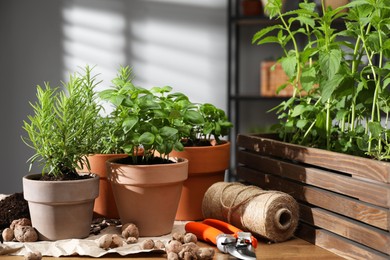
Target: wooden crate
<point x="344" y="200"/>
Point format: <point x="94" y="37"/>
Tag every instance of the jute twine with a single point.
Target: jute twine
<point x="269" y="214"/>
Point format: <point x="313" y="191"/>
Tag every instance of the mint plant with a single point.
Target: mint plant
<point x="155" y="119"/>
<point x="62" y="130"/>
<point x="343" y="72"/>
<point x="158" y="120"/>
<point x="215" y="125"/>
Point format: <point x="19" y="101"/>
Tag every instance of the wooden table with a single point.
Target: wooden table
<point x="293" y="249"/>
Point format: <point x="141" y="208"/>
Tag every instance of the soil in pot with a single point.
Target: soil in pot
<point x="11" y="208"/>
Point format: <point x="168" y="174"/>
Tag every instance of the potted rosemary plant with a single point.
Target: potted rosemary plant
<point x="146" y="186"/>
<point x="62" y="132"/>
<point x="334" y="141"/>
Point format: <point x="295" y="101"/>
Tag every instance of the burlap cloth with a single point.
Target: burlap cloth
<point x="83" y="247"/>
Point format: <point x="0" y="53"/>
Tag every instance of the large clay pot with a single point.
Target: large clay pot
<point x="105" y="203"/>
<point x="148" y="195"/>
<point x="207" y="165"/>
<point x="60" y="209"/>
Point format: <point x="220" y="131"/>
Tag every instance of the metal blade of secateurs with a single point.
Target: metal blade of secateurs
<point x="245" y="252"/>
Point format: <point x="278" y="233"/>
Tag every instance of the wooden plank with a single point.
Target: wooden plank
<point x="361" y="211"/>
<point x="356" y="166"/>
<point x="375" y="193"/>
<point x="336" y="244"/>
<point x="348" y="228"/>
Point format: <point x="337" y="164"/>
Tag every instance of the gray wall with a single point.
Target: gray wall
<point x="168" y="42"/>
<point x="30" y="53"/>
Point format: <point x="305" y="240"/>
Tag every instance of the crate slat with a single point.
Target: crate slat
<point x="348" y="228"/>
<point x="337" y="244"/>
<point x="375" y="193"/>
<point x="356" y="166"/>
<point x="366" y="213"/>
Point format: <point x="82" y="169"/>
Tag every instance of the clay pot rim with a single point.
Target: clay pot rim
<point x="34" y="178"/>
<point x="177" y="161"/>
<point x="216" y="146"/>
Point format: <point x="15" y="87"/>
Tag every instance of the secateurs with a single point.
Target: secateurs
<point x="227" y="238"/>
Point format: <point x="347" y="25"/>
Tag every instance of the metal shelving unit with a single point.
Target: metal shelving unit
<point x="235" y="97"/>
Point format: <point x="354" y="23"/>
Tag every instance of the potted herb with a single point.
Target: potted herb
<point x="208" y="154"/>
<point x="146" y="187"/>
<point x="335" y="137"/>
<point x="62" y="132"/>
<point x="109" y="146"/>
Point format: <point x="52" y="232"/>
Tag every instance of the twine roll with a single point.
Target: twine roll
<point x="269" y="214"/>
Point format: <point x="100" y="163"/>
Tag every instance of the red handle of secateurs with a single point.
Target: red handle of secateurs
<point x="203" y="232"/>
<point x="226" y="228"/>
<point x="209" y="229"/>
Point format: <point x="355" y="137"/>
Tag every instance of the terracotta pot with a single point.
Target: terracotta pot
<point x="148" y="195"/>
<point x="207" y="165"/>
<point x="105" y="203"/>
<point x="60" y="209"/>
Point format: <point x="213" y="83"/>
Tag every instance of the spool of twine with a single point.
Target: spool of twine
<point x="269" y="214"/>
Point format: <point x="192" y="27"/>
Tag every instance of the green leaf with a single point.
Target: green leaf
<point x="373" y="42"/>
<point x="321" y="121"/>
<point x="375" y="129"/>
<point x="308" y="78"/>
<point x="330" y="62"/>
<point x="298" y="110"/>
<point x="178" y="146"/>
<point x="268" y="39"/>
<point x="273" y="7"/>
<point x="260" y="34"/>
<point x="129" y="123"/>
<point x="328" y="87"/>
<point x="386" y="82"/>
<point x="167" y="132"/>
<point x="301" y="123"/>
<point x="146" y="139"/>
<point x="306" y="21"/>
<point x="193" y="117"/>
<point x="307" y="6"/>
<point x="289" y="65"/>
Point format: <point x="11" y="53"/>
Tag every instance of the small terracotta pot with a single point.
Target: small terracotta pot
<point x="207" y="165"/>
<point x="148" y="195"/>
<point x="60" y="209"/>
<point x="105" y="203"/>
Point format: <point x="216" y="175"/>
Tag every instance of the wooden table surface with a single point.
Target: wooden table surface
<point x="292" y="249"/>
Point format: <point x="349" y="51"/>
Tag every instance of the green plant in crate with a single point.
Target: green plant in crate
<point x="344" y="70"/>
<point x="62" y="130"/>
